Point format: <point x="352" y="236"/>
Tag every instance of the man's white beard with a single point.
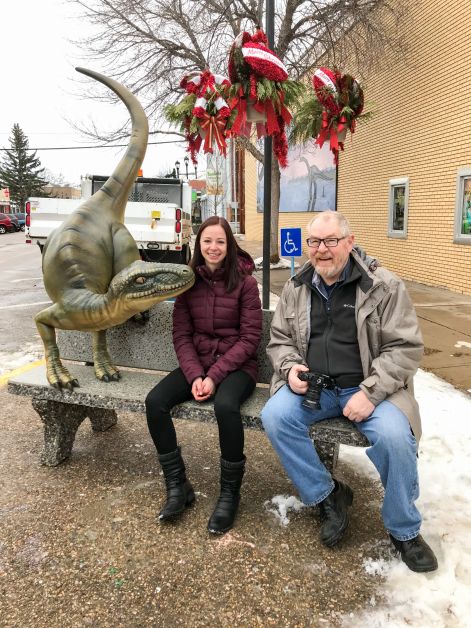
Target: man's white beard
<point x="329" y="273"/>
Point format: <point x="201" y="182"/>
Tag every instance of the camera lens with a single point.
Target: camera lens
<point x="312" y="398"/>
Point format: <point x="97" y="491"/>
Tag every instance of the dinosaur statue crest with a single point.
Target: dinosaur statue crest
<point x="91" y="264"/>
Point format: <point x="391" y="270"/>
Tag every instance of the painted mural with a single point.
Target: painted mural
<point x="308" y="183"/>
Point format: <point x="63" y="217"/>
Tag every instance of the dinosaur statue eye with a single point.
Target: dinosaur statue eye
<point x="140" y="280"/>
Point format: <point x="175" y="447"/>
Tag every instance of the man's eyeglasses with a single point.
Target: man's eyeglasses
<point x="330" y="243"/>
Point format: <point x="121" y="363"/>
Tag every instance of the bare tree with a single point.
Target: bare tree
<point x="150" y="44"/>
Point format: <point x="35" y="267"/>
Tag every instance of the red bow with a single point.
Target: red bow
<point x="207" y="83"/>
<point x="333" y="130"/>
<point x="214" y="129"/>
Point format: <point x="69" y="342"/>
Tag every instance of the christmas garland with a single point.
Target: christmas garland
<point x="260" y="92"/>
<point x="202" y="114"/>
<point x="333" y="110"/>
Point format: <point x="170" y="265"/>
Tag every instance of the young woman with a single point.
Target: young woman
<point x="217" y="326"/>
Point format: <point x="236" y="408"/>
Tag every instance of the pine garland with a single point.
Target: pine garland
<point x="306" y="121"/>
<point x="311" y="115"/>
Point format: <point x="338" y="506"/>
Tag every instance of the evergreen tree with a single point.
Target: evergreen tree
<point x="20" y="170"/>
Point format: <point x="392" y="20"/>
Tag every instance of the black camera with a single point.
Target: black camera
<point x="316" y="383"/>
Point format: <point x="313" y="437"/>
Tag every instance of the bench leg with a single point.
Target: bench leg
<point x="328" y="453"/>
<point x="61" y="421"/>
<point x="100" y="419"/>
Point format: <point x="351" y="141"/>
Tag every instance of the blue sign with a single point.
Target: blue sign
<point x="291" y="243"/>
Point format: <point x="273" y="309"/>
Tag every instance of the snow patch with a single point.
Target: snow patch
<point x="441" y="598"/>
<point x="463" y="343"/>
<point x="281" y="505"/>
<point x="283" y="263"/>
<point x="29" y="353"/>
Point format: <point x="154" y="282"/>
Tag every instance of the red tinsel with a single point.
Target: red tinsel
<point x="246" y="67"/>
<point x="337" y="92"/>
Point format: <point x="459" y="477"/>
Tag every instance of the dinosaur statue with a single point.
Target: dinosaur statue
<point x="91" y="264"/>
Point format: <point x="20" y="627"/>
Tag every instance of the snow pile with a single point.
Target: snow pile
<point x="441" y="598"/>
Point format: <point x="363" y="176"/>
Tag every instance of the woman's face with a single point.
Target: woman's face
<point x="213" y="245"/>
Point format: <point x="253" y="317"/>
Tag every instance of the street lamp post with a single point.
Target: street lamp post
<point x="177" y="168"/>
<point x="186" y="160"/>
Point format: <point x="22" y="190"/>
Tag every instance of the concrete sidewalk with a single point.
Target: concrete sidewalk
<point x="444" y="316"/>
<point x="80" y="544"/>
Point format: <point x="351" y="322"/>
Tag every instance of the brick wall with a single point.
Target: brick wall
<point x="420" y="130"/>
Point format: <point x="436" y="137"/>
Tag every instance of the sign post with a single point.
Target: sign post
<point x="291" y="244"/>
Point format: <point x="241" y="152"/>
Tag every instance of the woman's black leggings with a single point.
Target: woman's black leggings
<point x="174" y="389"/>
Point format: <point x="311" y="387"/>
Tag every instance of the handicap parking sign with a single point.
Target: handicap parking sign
<point x="291" y="242"/>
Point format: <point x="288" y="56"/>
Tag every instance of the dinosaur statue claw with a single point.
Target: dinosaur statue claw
<point x="141" y="317"/>
<point x="105" y="371"/>
<point x="58" y="376"/>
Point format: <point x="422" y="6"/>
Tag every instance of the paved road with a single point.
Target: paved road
<point x="22" y="295"/>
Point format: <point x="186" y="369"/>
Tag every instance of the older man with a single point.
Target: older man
<point x="355" y="324"/>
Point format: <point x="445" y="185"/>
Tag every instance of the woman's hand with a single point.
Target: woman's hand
<point x="203" y="389"/>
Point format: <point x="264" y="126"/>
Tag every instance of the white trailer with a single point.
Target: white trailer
<point x="158" y="216"/>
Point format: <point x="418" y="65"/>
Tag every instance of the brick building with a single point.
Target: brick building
<point x="404" y="181"/>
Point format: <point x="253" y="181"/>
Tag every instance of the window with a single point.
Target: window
<point x="463" y="207"/>
<point x="398" y="207"/>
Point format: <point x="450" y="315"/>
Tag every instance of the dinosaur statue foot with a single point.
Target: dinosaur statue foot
<point x="59" y="377"/>
<point x="141" y="317"/>
<point x="107" y="373"/>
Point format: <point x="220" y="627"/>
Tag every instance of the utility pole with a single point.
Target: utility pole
<point x="267" y="163"/>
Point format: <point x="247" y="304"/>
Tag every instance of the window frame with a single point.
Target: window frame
<point x="460" y="238"/>
<point x="394" y="233"/>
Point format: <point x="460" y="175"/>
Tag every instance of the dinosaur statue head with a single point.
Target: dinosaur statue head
<point x="143" y="284"/>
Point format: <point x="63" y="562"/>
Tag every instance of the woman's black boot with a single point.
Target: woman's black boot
<point x="225" y="511"/>
<point x="180" y="493"/>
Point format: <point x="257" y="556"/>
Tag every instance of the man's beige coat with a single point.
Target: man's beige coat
<point x="389" y="337"/>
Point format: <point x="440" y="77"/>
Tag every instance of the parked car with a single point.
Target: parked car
<point x="6" y="224"/>
<point x="21" y="220"/>
<point x="15" y="221"/>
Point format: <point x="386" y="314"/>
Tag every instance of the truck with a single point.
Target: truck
<point x="158" y="216"/>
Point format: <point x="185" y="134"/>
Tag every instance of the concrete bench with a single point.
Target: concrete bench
<point x="146" y="347"/>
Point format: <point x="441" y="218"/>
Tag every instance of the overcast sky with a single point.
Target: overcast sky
<point x="39" y="81"/>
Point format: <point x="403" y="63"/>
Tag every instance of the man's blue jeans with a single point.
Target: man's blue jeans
<point x="393" y="451"/>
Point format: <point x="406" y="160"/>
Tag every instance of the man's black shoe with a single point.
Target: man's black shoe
<point x="417" y="555"/>
<point x="334" y="514"/>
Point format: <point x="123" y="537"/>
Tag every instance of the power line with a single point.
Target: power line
<point x="92" y="147"/>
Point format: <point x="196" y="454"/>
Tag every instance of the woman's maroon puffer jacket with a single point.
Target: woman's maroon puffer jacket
<point x="216" y="332"/>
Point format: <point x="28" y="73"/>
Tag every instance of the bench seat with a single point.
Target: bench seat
<point x="146" y="347"/>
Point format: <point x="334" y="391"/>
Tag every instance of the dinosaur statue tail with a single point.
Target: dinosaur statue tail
<point x="117" y="188"/>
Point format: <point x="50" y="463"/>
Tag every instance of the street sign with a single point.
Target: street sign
<point x="291" y="242"/>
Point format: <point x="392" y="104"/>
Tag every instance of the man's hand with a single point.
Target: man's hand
<point x="358" y="408"/>
<point x="296" y="385"/>
<point x="203" y="389"/>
